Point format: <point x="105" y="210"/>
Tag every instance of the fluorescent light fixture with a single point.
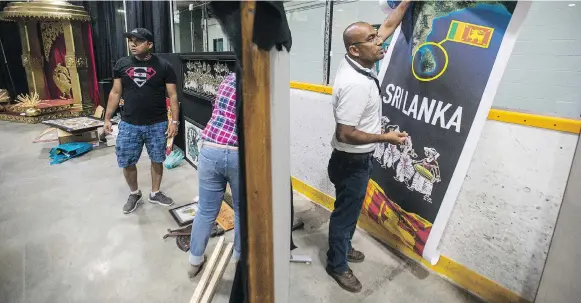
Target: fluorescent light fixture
<point x="121" y="11"/>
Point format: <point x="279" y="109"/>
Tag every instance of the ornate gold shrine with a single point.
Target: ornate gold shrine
<point x="54" y="48"/>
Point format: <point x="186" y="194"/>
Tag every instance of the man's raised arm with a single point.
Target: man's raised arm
<point x="393" y="20"/>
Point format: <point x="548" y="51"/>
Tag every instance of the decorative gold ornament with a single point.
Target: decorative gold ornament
<point x="52" y="10"/>
<point x="4" y="98"/>
<point x="28" y="61"/>
<point x="25" y="60"/>
<point x="28" y="101"/>
<point x="82" y="62"/>
<point x="50" y="30"/>
<point x="25" y="102"/>
<point x="62" y="79"/>
<point x="32" y="112"/>
<point x="204" y="78"/>
<point x="44" y="116"/>
<point x="70" y="61"/>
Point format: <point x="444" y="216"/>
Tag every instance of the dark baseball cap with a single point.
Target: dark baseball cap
<point x="140" y="33"/>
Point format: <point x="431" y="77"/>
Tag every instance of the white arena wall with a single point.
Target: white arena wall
<point x="504" y="216"/>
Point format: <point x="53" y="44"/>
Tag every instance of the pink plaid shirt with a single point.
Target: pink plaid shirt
<point x="221" y="129"/>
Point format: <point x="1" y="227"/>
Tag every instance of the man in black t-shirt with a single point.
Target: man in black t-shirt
<point x="143" y="79"/>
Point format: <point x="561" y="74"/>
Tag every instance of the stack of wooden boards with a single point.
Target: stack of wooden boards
<point x="213" y="271"/>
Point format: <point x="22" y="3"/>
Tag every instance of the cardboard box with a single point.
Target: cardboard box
<point x="90" y="136"/>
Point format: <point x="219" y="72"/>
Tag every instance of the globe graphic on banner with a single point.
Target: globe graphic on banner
<point x="388" y="6"/>
<point x="393" y="4"/>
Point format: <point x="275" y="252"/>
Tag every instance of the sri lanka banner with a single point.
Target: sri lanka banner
<point x="438" y="81"/>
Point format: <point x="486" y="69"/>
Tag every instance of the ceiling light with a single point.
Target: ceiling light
<point x="572" y="4"/>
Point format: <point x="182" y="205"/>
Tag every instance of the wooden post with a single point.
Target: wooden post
<point x="82" y="62"/>
<point x="266" y="119"/>
<point x="256" y="107"/>
<point x="32" y="58"/>
<point x="71" y="62"/>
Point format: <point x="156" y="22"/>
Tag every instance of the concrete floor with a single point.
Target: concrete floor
<point x="64" y="238"/>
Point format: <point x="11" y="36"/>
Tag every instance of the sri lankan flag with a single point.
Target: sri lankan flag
<point x="471" y="34"/>
<point x="411" y="229"/>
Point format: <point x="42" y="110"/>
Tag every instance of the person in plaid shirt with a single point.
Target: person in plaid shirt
<point x="218" y="165"/>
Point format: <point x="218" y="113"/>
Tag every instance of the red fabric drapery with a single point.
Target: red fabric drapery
<point x="92" y="70"/>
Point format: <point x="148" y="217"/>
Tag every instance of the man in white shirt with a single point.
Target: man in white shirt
<point x="357" y="109"/>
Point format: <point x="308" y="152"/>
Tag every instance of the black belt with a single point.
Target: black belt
<point x="348" y="154"/>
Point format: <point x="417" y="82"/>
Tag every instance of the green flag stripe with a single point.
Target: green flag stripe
<point x="453" y="28"/>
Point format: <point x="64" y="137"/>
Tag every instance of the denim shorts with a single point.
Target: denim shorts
<point x="130" y="142"/>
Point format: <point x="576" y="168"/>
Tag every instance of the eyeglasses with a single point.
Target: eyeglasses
<point x="372" y="39"/>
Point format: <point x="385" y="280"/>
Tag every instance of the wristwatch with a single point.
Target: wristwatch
<point x="175" y="122"/>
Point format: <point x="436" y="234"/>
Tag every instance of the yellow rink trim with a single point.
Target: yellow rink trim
<point x="457" y="273"/>
<point x="547" y="122"/>
<point x="323" y="89"/>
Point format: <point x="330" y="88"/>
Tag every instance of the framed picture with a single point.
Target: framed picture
<point x="184" y="215"/>
<point x="193" y="142"/>
<point x="75" y="125"/>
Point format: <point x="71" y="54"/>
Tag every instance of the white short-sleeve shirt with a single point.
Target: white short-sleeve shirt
<point x="356" y="102"/>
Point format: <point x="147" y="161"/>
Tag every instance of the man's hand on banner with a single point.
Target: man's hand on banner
<point x="394" y="137"/>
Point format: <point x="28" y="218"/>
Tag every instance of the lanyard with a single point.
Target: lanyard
<point x="364" y="72"/>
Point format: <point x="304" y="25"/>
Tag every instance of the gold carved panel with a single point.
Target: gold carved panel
<point x="49" y="31"/>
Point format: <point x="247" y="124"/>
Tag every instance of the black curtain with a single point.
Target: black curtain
<point x="154" y="16"/>
<point x="108" y="24"/>
<point x="11" y="64"/>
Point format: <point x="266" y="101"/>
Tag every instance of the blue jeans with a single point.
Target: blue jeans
<point x="217" y="166"/>
<point x="350" y="175"/>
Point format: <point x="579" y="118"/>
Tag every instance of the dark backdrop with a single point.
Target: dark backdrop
<point x="10" y="37"/>
<point x="108" y="27"/>
<point x="154" y="16"/>
<point x="108" y="23"/>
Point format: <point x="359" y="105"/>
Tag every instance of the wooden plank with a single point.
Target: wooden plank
<point x="257" y="158"/>
<point x="208" y="269"/>
<point x="218" y="273"/>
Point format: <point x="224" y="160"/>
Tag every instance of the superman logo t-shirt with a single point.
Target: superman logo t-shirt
<point x="144" y="89"/>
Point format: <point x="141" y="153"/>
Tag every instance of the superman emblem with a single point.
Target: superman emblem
<point x="140" y="75"/>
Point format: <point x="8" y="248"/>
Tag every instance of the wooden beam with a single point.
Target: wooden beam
<point x="208" y="269"/>
<point x="218" y="272"/>
<point x="257" y="144"/>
